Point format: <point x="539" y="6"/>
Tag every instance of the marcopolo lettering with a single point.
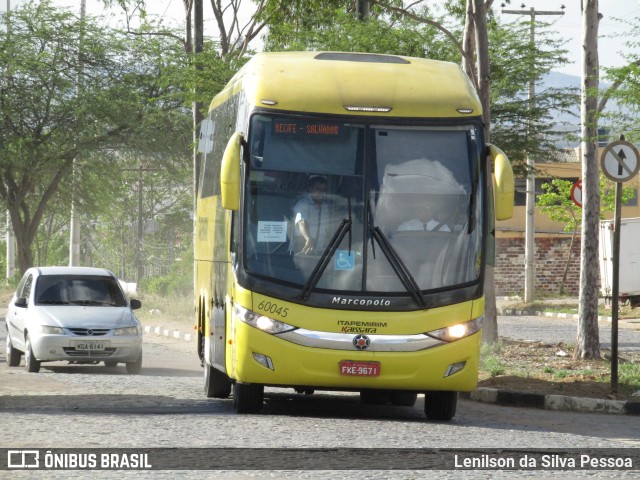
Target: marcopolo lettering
<point x="362" y="302"/>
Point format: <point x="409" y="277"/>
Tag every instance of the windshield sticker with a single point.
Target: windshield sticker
<point x="272" y="231"/>
<point x="345" y="260"/>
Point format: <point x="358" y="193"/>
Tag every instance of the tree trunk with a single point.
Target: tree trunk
<point x="588" y="342"/>
<point x="476" y="13"/>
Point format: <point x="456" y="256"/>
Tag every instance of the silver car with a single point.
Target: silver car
<point x="77" y="314"/>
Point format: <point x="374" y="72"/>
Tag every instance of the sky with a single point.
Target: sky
<point x="569" y="25"/>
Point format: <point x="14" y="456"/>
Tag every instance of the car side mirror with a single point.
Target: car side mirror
<point x="21" y="302"/>
<point x="135" y="304"/>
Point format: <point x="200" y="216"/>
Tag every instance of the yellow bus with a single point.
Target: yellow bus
<point x="316" y="267"/>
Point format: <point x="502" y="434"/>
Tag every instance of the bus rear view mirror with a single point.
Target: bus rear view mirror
<point x="230" y="173"/>
<point x="504" y="187"/>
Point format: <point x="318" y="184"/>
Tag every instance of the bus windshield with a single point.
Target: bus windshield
<point x="360" y="208"/>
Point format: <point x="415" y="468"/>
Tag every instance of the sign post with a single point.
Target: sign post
<point x="620" y="162"/>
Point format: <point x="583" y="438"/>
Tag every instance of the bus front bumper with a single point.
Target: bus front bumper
<point x="262" y="358"/>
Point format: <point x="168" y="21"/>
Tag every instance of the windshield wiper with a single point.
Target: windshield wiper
<point x="398" y="266"/>
<point x="321" y="266"/>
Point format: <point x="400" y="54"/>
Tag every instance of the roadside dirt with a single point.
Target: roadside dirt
<point x="537" y="367"/>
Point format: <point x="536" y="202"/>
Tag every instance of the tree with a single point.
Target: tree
<point x="588" y="342"/>
<point x="70" y="88"/>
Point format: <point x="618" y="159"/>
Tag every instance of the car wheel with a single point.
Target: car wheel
<point x="13" y="355"/>
<point x="134" y="368"/>
<point x="247" y="397"/>
<point x="216" y="383"/>
<point x="110" y="364"/>
<point x="440" y="405"/>
<point x="32" y="365"/>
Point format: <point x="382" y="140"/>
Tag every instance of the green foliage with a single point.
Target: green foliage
<point x="517" y="126"/>
<point x="622" y="116"/>
<point x="340" y="30"/>
<point x="556" y="201"/>
<point x="629" y="374"/>
<point x="178" y="281"/>
<point x="83" y="104"/>
<point x="490" y="359"/>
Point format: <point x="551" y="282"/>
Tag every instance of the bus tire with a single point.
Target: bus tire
<point x="403" y="399"/>
<point x="216" y="383"/>
<point x="440" y="405"/>
<point x="247" y="397"/>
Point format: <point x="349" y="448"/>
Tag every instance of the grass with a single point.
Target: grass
<point x="491" y="360"/>
<point x="629" y="375"/>
<point x="176" y="307"/>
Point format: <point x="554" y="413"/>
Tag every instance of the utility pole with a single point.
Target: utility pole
<point x="530" y="229"/>
<point x="74" y="227"/>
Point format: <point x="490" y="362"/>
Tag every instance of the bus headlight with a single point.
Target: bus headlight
<point x="261" y="322"/>
<point x="458" y="331"/>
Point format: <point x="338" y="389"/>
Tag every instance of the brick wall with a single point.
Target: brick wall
<point x="550" y="260"/>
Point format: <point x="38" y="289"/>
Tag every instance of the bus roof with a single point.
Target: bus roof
<point x="354" y="83"/>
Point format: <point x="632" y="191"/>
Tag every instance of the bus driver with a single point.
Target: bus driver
<point x="311" y="215"/>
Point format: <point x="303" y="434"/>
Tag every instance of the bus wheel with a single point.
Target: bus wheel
<point x="403" y="399"/>
<point x="374" y="397"/>
<point x="440" y="405"/>
<point x="216" y="383"/>
<point x="247" y="397"/>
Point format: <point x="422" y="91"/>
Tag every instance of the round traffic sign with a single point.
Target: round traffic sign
<point x="620" y="161"/>
<point x="576" y="193"/>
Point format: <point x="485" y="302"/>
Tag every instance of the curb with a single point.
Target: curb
<point x="633" y="324"/>
<point x="553" y="402"/>
<point x="538" y="313"/>
<point x="500" y="397"/>
<point x="165" y="332"/>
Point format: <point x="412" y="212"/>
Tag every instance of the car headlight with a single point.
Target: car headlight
<point x="260" y="321"/>
<point x="126" y="331"/>
<point x="458" y="331"/>
<point x="49" y="330"/>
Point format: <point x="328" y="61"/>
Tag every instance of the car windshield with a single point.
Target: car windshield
<point x="78" y="290"/>
<point x="356" y="208"/>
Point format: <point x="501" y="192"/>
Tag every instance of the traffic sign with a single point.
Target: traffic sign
<point x="620" y="161"/>
<point x="576" y="193"/>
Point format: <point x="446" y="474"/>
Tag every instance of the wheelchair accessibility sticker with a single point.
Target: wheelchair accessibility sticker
<point x="344" y="260"/>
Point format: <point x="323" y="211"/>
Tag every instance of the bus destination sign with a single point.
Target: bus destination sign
<point x="308" y="129"/>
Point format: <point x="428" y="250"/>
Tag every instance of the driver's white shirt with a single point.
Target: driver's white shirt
<point x="316" y="218"/>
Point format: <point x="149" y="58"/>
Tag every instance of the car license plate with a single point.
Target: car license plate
<point x="360" y="369"/>
<point x="90" y="346"/>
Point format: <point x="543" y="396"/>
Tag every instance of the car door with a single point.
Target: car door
<point x="16" y="315"/>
